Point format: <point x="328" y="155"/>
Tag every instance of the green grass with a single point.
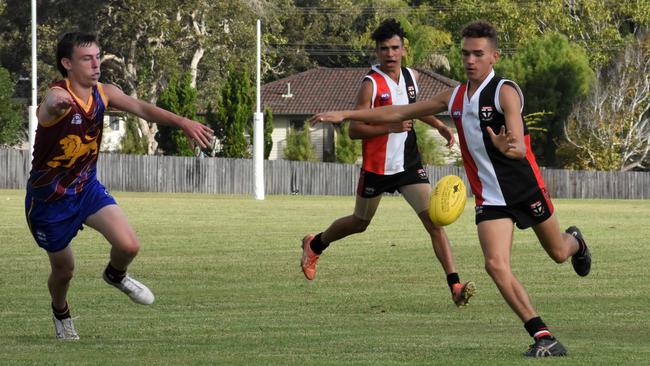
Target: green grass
<point x="229" y="290"/>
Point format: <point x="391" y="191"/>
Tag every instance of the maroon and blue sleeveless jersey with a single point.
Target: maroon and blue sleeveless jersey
<point x="495" y="179"/>
<point x="394" y="152"/>
<point x="65" y="152"/>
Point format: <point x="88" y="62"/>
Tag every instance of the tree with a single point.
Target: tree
<point x="553" y="74"/>
<point x="429" y="148"/>
<point x="299" y="146"/>
<point x="610" y="129"/>
<point x="178" y="97"/>
<point x="133" y="142"/>
<point x="12" y="119"/>
<point x="348" y="150"/>
<point x="268" y="132"/>
<point x="235" y="112"/>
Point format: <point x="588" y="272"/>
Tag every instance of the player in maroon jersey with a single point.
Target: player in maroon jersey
<point x="63" y="192"/>
<point x="502" y="170"/>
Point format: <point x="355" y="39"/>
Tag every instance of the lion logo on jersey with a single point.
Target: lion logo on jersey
<point x="73" y="149"/>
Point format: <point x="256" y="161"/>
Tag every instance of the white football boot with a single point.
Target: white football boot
<point x="65" y="329"/>
<point x="136" y="291"/>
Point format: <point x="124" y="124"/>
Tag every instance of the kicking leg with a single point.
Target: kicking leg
<point x="560" y="246"/>
<point x="111" y="222"/>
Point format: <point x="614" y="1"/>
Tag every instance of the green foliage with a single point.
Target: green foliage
<point x="429" y="148"/>
<point x="178" y="97"/>
<point x="133" y="142"/>
<point x="610" y="129"/>
<point x="235" y="113"/>
<point x="553" y="74"/>
<point x="348" y="150"/>
<point x="12" y="118"/>
<point x="268" y="132"/>
<point x="299" y="146"/>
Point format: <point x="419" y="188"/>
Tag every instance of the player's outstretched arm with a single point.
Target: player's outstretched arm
<point x="194" y="131"/>
<point x="387" y="114"/>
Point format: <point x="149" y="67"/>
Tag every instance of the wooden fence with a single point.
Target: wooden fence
<point x="138" y="173"/>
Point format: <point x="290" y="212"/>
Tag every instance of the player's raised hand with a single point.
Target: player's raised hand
<point x="331" y="117"/>
<point x="445" y="132"/>
<point x="504" y="141"/>
<point x="197" y="133"/>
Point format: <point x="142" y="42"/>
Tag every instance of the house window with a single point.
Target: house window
<point x="297" y="124"/>
<point x="114" y="122"/>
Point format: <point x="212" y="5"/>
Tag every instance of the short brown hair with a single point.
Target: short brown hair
<point x="66" y="45"/>
<point x="480" y="29"/>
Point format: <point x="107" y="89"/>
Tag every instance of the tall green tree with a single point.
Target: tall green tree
<point x="133" y="142"/>
<point x="268" y="132"/>
<point x="553" y="74"/>
<point x="235" y="112"/>
<point x="429" y="148"/>
<point x="348" y="150"/>
<point x="178" y="97"/>
<point x="299" y="146"/>
<point x="12" y="118"/>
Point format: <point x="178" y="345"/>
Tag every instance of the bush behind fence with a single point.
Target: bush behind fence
<point x="139" y="173"/>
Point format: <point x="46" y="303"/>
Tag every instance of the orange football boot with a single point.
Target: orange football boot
<point x="461" y="293"/>
<point x="309" y="258"/>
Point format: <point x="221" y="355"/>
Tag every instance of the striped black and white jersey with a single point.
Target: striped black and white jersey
<point x="495" y="179"/>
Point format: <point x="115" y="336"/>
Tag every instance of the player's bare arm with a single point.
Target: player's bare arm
<point x="362" y="130"/>
<point x="195" y="131"/>
<point x="443" y="130"/>
<point x="56" y="102"/>
<point x="510" y="139"/>
<point x="388" y="114"/>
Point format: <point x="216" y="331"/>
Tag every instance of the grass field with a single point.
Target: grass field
<point x="229" y="289"/>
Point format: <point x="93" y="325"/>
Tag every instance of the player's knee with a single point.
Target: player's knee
<point x="130" y="248"/>
<point x="496" y="268"/>
<point x="63" y="272"/>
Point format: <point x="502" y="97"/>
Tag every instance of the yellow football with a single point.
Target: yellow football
<point x="447" y="200"/>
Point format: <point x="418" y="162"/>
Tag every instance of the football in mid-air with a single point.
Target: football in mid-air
<point x="447" y="200"/>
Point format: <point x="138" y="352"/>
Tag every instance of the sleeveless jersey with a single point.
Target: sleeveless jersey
<point x="394" y="152"/>
<point x="65" y="153"/>
<point x="495" y="179"/>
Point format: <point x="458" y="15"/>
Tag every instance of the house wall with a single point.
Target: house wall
<point x="114" y="131"/>
<point x="279" y="136"/>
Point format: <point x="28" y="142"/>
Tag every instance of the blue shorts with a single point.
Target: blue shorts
<point x="55" y="224"/>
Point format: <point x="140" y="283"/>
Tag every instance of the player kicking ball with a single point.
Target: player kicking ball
<point x="502" y="171"/>
<point x="63" y="192"/>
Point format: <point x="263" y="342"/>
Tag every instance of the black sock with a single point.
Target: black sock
<point x="114" y="275"/>
<point x="452" y="279"/>
<point x="317" y="245"/>
<point x="536" y="328"/>
<point x="61" y="314"/>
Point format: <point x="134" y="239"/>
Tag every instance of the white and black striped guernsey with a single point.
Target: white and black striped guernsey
<point x="495" y="179"/>
<point x="394" y="152"/>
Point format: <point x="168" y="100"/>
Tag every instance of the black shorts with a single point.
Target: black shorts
<point x="534" y="210"/>
<point x="372" y="185"/>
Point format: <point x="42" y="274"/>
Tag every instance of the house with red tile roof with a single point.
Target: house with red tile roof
<point x="294" y="98"/>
